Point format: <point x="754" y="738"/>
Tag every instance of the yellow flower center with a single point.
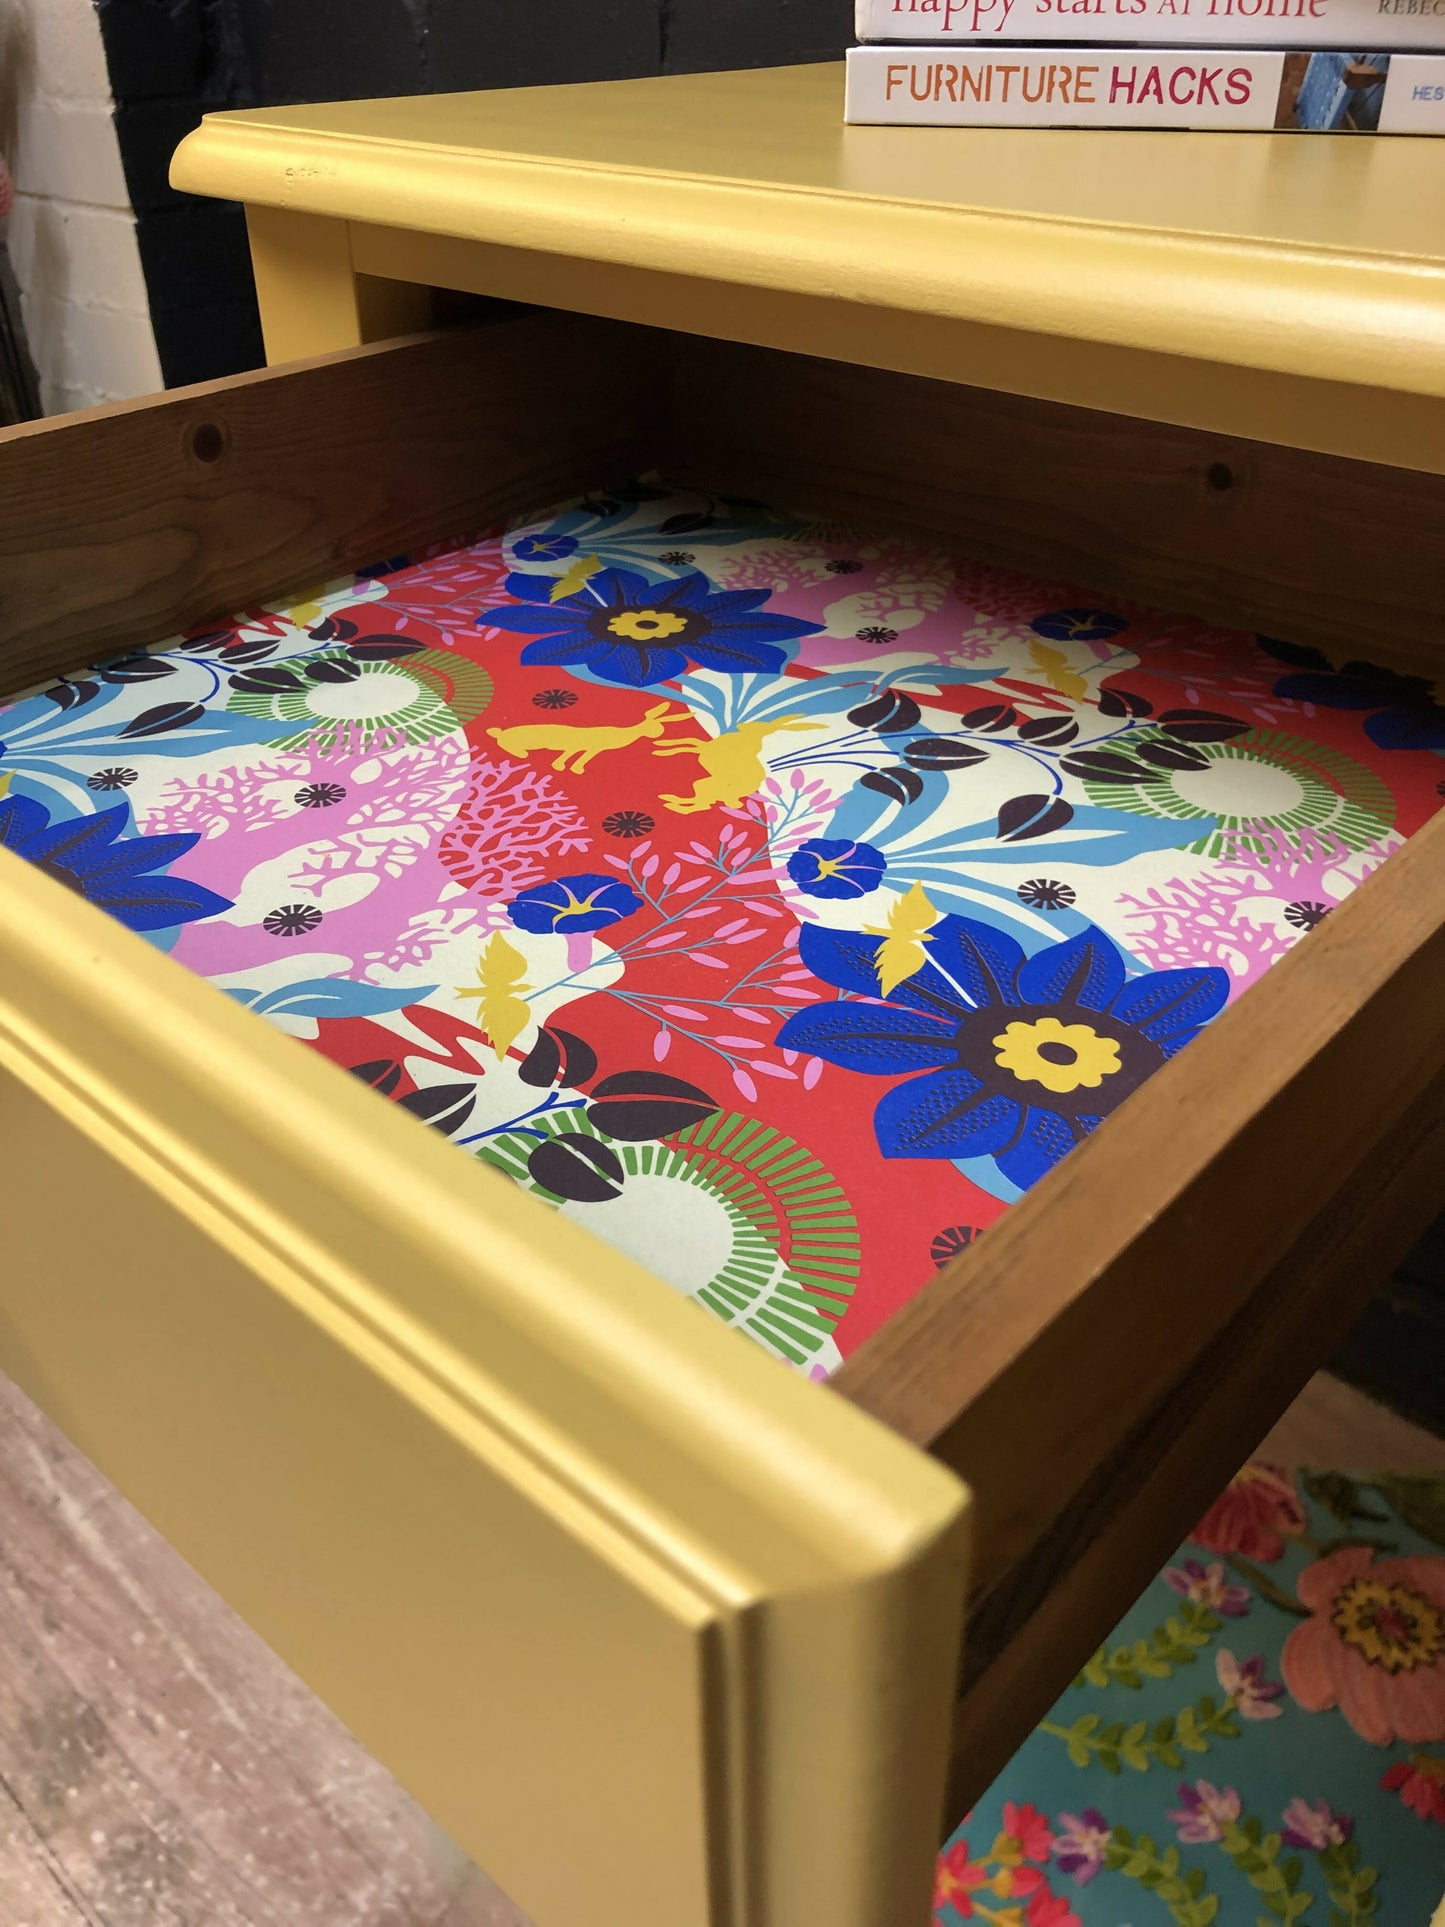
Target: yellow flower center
<point x="1061" y="1057"/>
<point x="647" y="625"/>
<point x="1393" y="1627"/>
<point x="576" y="906"/>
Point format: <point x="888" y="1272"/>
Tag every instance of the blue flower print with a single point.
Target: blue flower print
<point x="544" y="548"/>
<point x="1406" y="714"/>
<point x="1011" y="1057"/>
<point x="629" y="631"/>
<point x="1078" y="625"/>
<point x="827" y="867"/>
<point x="571" y="905"/>
<point x="88" y="855"/>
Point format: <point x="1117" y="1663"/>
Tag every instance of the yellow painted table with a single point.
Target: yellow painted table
<point x="1289" y="290"/>
<point x="665" y="1635"/>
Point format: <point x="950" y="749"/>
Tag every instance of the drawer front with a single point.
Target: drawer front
<point x="629" y="1607"/>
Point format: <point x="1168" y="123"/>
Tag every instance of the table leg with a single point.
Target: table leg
<point x="312" y="300"/>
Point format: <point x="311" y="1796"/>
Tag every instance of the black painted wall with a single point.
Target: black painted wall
<point x="173" y="60"/>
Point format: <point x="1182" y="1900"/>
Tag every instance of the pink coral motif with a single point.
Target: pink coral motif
<point x="513" y="820"/>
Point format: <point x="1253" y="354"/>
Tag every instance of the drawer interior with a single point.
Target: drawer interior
<point x="707" y="867"/>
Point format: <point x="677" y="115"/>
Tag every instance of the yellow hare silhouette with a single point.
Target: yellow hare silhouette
<point x="577" y="746"/>
<point x="732" y="761"/>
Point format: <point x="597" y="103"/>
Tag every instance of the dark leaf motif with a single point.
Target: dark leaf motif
<point x="1023" y="817"/>
<point x="1201" y="725"/>
<point x="1340" y="1495"/>
<point x="1419" y="1498"/>
<point x="165" y="717"/>
<point x="576" y="1167"/>
<point x="942" y="752"/>
<point x="634" y="491"/>
<point x="332" y="629"/>
<point x="256" y="649"/>
<point x="446" y="1107"/>
<point x="333" y="671"/>
<point x="1172" y="755"/>
<point x="685" y="524"/>
<point x="274" y="681"/>
<point x="212" y="640"/>
<point x="558" y="1058"/>
<point x="991" y="718"/>
<point x="382" y="1074"/>
<point x="637" y="1105"/>
<point x="73" y="695"/>
<point x="383" y="648"/>
<point x="899" y="785"/>
<point x="137" y="668"/>
<point x="1297" y="653"/>
<point x="1052" y="730"/>
<point x="1106" y="766"/>
<point x="887" y="713"/>
<point x="602" y="505"/>
<point x="1124" y="702"/>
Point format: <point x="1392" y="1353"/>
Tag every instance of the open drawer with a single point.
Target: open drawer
<point x="664" y="1633"/>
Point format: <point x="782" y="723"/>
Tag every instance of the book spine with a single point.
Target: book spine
<point x="1387" y="24"/>
<point x="1227" y="89"/>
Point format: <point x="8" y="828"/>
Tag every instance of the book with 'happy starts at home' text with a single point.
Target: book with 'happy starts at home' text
<point x="1385" y="24"/>
<point x="1094" y="85"/>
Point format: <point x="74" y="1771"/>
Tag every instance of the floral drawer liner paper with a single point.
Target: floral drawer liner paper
<point x="696" y="865"/>
<point x="1259" y="1740"/>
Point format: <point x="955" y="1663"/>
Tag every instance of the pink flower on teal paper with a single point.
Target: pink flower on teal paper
<point x="1311" y="1824"/>
<point x="1050" y="1910"/>
<point x="956" y="1878"/>
<point x="1205" y="1810"/>
<point x="1251" y="1693"/>
<point x="1081" y="1844"/>
<point x="1207" y="1586"/>
<point x="1029" y="1828"/>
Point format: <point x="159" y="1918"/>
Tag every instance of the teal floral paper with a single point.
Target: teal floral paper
<point x="1262" y="1738"/>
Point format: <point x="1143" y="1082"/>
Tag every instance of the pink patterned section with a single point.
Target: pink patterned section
<point x="513" y="819"/>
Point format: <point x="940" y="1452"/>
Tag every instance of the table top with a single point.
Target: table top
<point x="1311" y="256"/>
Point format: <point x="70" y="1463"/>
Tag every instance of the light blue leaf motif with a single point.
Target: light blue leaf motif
<point x="30" y="745"/>
<point x="330" y="997"/>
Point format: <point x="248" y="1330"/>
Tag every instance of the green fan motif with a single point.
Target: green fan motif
<point x="403" y="699"/>
<point x="793" y="1258"/>
<point x="1282" y="788"/>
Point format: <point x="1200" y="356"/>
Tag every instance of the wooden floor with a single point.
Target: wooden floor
<point x="159" y="1767"/>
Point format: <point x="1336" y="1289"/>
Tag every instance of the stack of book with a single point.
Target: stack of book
<point x="1305" y="66"/>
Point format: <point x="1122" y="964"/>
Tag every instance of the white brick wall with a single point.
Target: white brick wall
<point x="72" y="236"/>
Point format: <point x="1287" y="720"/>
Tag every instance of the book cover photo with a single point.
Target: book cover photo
<point x="1245" y="90"/>
<point x="1388" y="24"/>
